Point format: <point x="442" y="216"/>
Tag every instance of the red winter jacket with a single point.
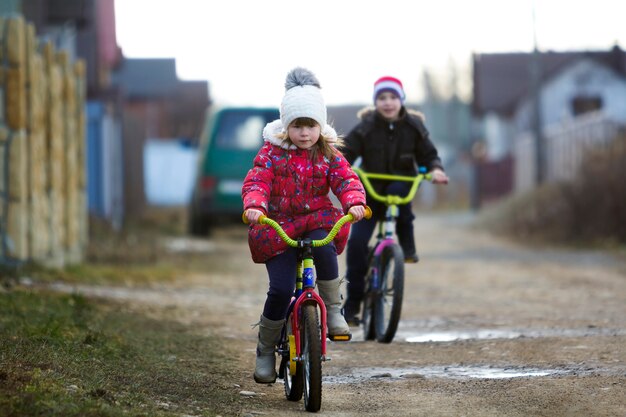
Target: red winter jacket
<point x="293" y="190"/>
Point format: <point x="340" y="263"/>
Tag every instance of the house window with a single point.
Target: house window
<point x="582" y="105"/>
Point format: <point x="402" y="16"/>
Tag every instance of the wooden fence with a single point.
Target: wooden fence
<point x="565" y="146"/>
<point x="43" y="210"/>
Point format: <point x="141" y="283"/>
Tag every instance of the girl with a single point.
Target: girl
<point x="289" y="182"/>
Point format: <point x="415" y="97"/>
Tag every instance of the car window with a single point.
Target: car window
<point x="241" y="130"/>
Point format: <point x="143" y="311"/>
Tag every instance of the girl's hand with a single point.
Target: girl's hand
<point x="358" y="212"/>
<point x="253" y="215"/>
<point x="439" y="177"/>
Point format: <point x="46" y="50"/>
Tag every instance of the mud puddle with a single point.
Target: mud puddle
<point x="451" y="372"/>
<point x="409" y="335"/>
<point x="486" y="334"/>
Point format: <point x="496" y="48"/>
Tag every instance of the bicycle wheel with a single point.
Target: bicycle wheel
<point x="291" y="370"/>
<point x="311" y="358"/>
<point x="368" y="315"/>
<point x="388" y="302"/>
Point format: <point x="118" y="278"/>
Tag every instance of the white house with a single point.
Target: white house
<point x="582" y="101"/>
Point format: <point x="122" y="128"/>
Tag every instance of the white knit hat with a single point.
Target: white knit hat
<point x="303" y="98"/>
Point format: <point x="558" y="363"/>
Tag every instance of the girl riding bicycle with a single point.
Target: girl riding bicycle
<point x="390" y="139"/>
<point x="292" y="175"/>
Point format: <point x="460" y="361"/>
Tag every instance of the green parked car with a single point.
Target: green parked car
<point x="230" y="140"/>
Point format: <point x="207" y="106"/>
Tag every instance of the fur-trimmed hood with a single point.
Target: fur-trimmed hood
<point x="369" y="110"/>
<point x="272" y="129"/>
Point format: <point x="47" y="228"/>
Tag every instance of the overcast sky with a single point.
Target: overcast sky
<point x="244" y="48"/>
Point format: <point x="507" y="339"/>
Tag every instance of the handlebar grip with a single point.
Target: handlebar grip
<point x="368" y="212"/>
<point x="262" y="217"/>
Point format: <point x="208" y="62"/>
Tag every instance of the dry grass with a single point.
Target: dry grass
<point x="589" y="210"/>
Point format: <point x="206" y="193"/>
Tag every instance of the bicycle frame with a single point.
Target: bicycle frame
<point x="386" y="227"/>
<point x="305" y="294"/>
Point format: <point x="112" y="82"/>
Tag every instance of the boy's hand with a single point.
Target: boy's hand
<point x="358" y="212"/>
<point x="439" y="177"/>
<point x="253" y="215"/>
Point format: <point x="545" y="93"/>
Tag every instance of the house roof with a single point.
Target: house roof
<point x="147" y="78"/>
<point x="196" y="92"/>
<point x="501" y="80"/>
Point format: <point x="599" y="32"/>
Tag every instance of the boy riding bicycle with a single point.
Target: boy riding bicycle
<point x="292" y="175"/>
<point x="390" y="139"/>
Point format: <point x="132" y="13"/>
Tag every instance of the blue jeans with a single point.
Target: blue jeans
<point x="282" y="272"/>
<point x="361" y="233"/>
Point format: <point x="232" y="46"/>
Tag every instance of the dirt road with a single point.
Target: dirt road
<point x="489" y="328"/>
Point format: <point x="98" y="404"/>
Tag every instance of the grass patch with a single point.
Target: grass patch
<point x="71" y="356"/>
<point x="106" y="273"/>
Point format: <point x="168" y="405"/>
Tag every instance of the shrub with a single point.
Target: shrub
<point x="591" y="208"/>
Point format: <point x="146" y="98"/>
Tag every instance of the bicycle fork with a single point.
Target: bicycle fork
<point x="304" y="294"/>
<point x="375" y="279"/>
<point x="385" y="235"/>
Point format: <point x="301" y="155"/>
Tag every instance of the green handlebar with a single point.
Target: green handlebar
<point x="390" y="200"/>
<point x="316" y="243"/>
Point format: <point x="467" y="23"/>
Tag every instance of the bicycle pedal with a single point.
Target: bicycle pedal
<point x="340" y="337"/>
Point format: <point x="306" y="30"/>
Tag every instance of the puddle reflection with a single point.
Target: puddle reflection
<point x="462" y="335"/>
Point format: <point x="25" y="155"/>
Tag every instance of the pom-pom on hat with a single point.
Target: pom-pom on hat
<point x="389" y="84"/>
<point x="303" y="98"/>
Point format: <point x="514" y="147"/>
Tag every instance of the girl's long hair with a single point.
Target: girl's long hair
<point x="323" y="145"/>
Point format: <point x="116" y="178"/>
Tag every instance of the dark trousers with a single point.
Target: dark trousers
<point x="282" y="272"/>
<point x="361" y="233"/>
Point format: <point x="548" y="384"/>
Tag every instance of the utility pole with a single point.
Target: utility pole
<point x="535" y="78"/>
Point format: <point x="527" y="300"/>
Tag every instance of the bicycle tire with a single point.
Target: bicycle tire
<point x="294" y="384"/>
<point x="368" y="316"/>
<point x="311" y="358"/>
<point x="388" y="302"/>
<point x="367" y="306"/>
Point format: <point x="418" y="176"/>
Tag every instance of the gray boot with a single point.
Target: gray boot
<point x="329" y="291"/>
<point x="269" y="336"/>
